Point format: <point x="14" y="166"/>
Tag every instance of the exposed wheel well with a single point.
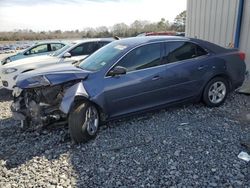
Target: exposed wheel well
<point x="83" y="99"/>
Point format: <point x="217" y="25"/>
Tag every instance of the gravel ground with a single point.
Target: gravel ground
<point x="186" y="146"/>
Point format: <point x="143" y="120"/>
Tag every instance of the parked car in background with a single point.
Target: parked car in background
<point x="7" y="50"/>
<point x="125" y="77"/>
<point x="71" y="53"/>
<point x="40" y="48"/>
<point x="181" y="34"/>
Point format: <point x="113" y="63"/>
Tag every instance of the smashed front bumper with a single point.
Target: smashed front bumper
<point x="39" y="106"/>
<point x="44" y="105"/>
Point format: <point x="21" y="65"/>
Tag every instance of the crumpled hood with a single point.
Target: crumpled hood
<point x="52" y="75"/>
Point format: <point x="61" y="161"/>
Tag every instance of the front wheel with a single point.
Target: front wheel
<point x="83" y="122"/>
<point x="215" y="92"/>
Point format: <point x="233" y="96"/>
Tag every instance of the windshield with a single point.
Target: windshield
<point x="58" y="52"/>
<point x="100" y="58"/>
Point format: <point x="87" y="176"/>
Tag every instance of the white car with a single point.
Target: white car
<point x="71" y="53"/>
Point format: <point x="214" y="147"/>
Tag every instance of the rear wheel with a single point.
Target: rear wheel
<point x="83" y="122"/>
<point x="215" y="92"/>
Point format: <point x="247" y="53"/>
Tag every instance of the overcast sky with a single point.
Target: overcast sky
<point x="40" y="15"/>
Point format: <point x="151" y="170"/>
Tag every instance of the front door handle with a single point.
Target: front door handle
<point x="156" y="77"/>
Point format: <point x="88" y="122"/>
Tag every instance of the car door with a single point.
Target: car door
<point x="81" y="51"/>
<point x="140" y="87"/>
<point x="55" y="46"/>
<point x="41" y="49"/>
<point x="186" y="65"/>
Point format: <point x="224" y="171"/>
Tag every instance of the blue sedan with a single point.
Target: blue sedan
<point x="126" y="77"/>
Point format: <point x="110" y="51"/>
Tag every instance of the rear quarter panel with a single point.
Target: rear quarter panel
<point x="215" y="65"/>
<point x="235" y="68"/>
<point x="228" y="65"/>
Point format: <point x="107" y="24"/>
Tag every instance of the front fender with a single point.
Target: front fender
<point x="70" y="94"/>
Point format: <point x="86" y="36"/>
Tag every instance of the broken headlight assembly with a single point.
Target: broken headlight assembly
<point x="39" y="81"/>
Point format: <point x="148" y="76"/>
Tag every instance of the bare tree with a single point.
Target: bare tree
<point x="180" y="22"/>
<point x="119" y="29"/>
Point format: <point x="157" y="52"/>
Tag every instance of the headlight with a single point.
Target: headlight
<point x="16" y="91"/>
<point x="9" y="70"/>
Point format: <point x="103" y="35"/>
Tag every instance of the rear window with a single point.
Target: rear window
<point x="179" y="51"/>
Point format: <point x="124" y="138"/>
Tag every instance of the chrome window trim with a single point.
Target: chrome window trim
<point x="158" y="65"/>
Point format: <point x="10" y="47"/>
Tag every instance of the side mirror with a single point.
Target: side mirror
<point x="119" y="70"/>
<point x="67" y="55"/>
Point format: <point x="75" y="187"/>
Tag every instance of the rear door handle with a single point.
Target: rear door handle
<point x="202" y="67"/>
<point x="156" y="77"/>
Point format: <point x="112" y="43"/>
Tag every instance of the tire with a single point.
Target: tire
<point x="215" y="92"/>
<point x="83" y="127"/>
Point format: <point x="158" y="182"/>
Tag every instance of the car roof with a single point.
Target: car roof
<point x="48" y="42"/>
<point x="93" y="40"/>
<point x="135" y="41"/>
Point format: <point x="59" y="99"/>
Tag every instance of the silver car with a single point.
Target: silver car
<point x="41" y="48"/>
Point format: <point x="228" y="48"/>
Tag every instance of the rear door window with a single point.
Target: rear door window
<point x="103" y="43"/>
<point x="38" y="49"/>
<point x="56" y="46"/>
<point x="179" y="51"/>
<point x="84" y="49"/>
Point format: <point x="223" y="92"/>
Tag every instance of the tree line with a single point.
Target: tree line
<point x="119" y="29"/>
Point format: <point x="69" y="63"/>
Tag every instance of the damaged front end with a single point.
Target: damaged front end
<point x="44" y="96"/>
<point x="39" y="106"/>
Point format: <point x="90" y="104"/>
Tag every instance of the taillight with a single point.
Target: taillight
<point x="242" y="56"/>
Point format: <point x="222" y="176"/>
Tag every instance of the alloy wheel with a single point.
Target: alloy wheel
<point x="217" y="92"/>
<point x="91" y="120"/>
